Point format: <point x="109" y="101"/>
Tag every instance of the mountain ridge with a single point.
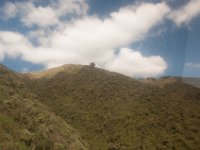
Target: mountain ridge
<point x="100" y="104"/>
<point x="114" y="112"/>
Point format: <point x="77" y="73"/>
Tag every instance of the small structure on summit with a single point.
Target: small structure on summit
<point x="92" y="65"/>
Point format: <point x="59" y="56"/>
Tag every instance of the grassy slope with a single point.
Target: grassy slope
<point x="25" y="123"/>
<point x="68" y="68"/>
<point x="115" y="112"/>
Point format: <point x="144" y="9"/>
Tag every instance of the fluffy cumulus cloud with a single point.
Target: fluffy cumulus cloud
<point x="132" y="63"/>
<point x="87" y="38"/>
<point x="186" y="13"/>
<point x="31" y="13"/>
<point x="38" y="16"/>
<point x="65" y="33"/>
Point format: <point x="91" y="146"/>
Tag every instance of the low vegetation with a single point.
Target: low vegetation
<point x="83" y="107"/>
<point x="27" y="124"/>
<point x="115" y="112"/>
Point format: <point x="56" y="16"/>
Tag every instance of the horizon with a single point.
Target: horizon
<point x="137" y="78"/>
<point x="139" y="39"/>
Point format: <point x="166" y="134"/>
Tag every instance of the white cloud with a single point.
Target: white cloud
<point x="9" y="10"/>
<point x="186" y="13"/>
<point x="13" y="44"/>
<point x="133" y="63"/>
<point x="89" y="39"/>
<point x="192" y="65"/>
<point x="41" y="16"/>
<point x="97" y="37"/>
<point x="31" y="13"/>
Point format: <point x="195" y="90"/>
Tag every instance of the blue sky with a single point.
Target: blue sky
<point x="137" y="38"/>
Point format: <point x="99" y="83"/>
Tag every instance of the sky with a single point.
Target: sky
<point x="138" y="38"/>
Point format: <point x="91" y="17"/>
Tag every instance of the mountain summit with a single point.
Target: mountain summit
<point x="100" y="110"/>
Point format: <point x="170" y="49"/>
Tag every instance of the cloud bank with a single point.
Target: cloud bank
<point x="82" y="38"/>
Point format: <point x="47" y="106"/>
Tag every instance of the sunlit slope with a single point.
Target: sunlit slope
<point x="115" y="112"/>
<point x="69" y="69"/>
<point x="25" y="123"/>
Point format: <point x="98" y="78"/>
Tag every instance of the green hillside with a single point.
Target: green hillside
<point x="26" y="124"/>
<point x="115" y="112"/>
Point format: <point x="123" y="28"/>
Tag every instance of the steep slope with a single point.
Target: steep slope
<point x="115" y="112"/>
<point x="25" y="123"/>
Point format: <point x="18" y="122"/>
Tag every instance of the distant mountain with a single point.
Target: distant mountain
<point x="108" y="110"/>
<point x="192" y="81"/>
<point x="166" y="80"/>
